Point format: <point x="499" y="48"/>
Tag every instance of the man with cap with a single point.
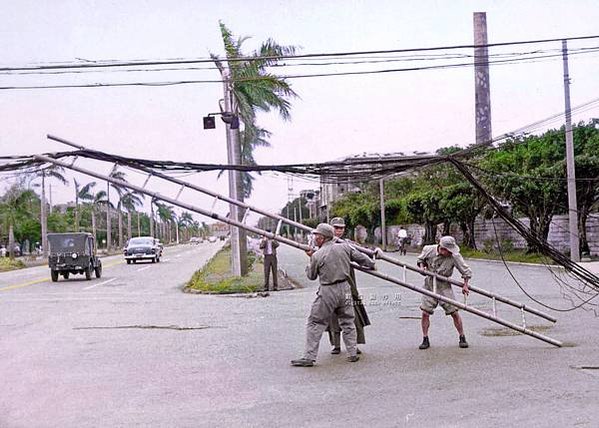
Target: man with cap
<point x="442" y="259"/>
<point x="361" y="317"/>
<point x="269" y="250"/>
<point x="331" y="265"/>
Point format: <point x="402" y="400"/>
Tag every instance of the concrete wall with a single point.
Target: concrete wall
<point x="485" y="233"/>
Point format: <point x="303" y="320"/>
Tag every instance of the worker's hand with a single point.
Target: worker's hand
<point x="310" y="252"/>
<point x="378" y="253"/>
<point x="465" y="289"/>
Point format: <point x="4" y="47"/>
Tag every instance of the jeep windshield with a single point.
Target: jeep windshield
<point x="60" y="243"/>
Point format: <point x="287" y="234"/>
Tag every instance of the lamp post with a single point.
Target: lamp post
<point x="238" y="237"/>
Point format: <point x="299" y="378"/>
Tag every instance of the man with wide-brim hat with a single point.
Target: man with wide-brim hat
<point x="331" y="265"/>
<point x="442" y="259"/>
<point x="360" y="316"/>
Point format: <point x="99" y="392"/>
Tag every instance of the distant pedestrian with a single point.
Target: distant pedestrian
<point x="269" y="250"/>
<point x="441" y="259"/>
<point x="402" y="238"/>
<point x="361" y="317"/>
<point x="331" y="265"/>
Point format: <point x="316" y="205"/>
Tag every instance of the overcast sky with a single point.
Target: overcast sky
<point x="333" y="116"/>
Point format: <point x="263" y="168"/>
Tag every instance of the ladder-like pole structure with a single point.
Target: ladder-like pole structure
<point x="307" y="229"/>
<point x="290" y="242"/>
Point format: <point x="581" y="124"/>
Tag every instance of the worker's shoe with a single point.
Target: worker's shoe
<point x="336" y="351"/>
<point x="463" y="343"/>
<point x="302" y="362"/>
<point x="353" y="358"/>
<point x="425" y="343"/>
<point x="358" y="351"/>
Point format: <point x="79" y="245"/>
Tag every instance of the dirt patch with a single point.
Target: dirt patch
<point x="504" y="331"/>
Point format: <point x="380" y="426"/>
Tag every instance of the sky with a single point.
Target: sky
<point x="332" y="117"/>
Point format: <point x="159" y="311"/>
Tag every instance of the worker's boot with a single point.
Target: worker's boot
<point x="425" y="343"/>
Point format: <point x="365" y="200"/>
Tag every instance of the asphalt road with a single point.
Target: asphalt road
<point x="131" y="349"/>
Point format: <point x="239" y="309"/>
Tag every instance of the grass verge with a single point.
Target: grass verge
<point x="7" y="264"/>
<point x="510" y="256"/>
<point x="216" y="278"/>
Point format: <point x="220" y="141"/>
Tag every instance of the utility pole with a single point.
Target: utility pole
<point x="44" y="218"/>
<point x="238" y="239"/>
<point x="383" y="227"/>
<point x="571" y="170"/>
<point x="108" y="225"/>
<point x="482" y="87"/>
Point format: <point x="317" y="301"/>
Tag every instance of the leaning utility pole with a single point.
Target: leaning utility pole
<point x="238" y="239"/>
<point x="482" y="87"/>
<point x="571" y="170"/>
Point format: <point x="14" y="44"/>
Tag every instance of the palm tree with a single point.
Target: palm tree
<point x="120" y="176"/>
<point x="166" y="213"/>
<point x="130" y="200"/>
<point x="77" y="190"/>
<point x="185" y="223"/>
<point x="254" y="89"/>
<point x="50" y="172"/>
<point x="95" y="199"/>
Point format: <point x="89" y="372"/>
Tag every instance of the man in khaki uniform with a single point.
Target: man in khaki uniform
<point x="442" y="259"/>
<point x="360" y="316"/>
<point x="331" y="265"/>
<point x="269" y="250"/>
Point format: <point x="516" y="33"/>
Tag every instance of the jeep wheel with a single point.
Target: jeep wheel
<point x="154" y="259"/>
<point x="157" y="259"/>
<point x="88" y="272"/>
<point x="98" y="270"/>
<point x="128" y="261"/>
<point x="54" y="275"/>
<point x="65" y="275"/>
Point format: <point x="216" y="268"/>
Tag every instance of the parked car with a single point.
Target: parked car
<point x="212" y="239"/>
<point x="196" y="240"/>
<point x="142" y="248"/>
<point x="73" y="253"/>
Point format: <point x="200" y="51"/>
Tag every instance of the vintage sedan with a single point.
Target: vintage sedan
<point x="142" y="248"/>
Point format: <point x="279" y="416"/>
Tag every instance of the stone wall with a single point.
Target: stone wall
<point x="485" y="233"/>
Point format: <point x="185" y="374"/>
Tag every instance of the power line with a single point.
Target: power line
<point x="265" y="58"/>
<point x="298" y="76"/>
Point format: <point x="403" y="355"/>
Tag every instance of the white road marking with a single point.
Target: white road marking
<point x="100" y="283"/>
<point x="143" y="268"/>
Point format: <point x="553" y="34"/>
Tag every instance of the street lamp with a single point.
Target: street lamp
<point x="229" y="118"/>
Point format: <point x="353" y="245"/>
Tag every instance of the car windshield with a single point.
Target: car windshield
<point x="141" y="241"/>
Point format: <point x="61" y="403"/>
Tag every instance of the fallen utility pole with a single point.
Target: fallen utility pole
<point x="281" y="219"/>
<point x="275" y="236"/>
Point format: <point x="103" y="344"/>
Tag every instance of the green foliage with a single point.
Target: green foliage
<point x="215" y="277"/>
<point x="7" y="264"/>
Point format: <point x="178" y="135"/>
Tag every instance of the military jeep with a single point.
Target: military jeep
<point x="73" y="253"/>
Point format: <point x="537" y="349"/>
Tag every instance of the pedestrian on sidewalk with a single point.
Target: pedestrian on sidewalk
<point x="269" y="250"/>
<point x="360" y="316"/>
<point x="330" y="263"/>
<point x="442" y="259"/>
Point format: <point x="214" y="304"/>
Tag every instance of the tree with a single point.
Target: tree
<point x="13" y="208"/>
<point x="254" y="89"/>
<point x="527" y="172"/>
<point x="55" y="172"/>
<point x="129" y="201"/>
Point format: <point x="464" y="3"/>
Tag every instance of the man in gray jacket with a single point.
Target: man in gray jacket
<point x="331" y="265"/>
<point x="441" y="259"/>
